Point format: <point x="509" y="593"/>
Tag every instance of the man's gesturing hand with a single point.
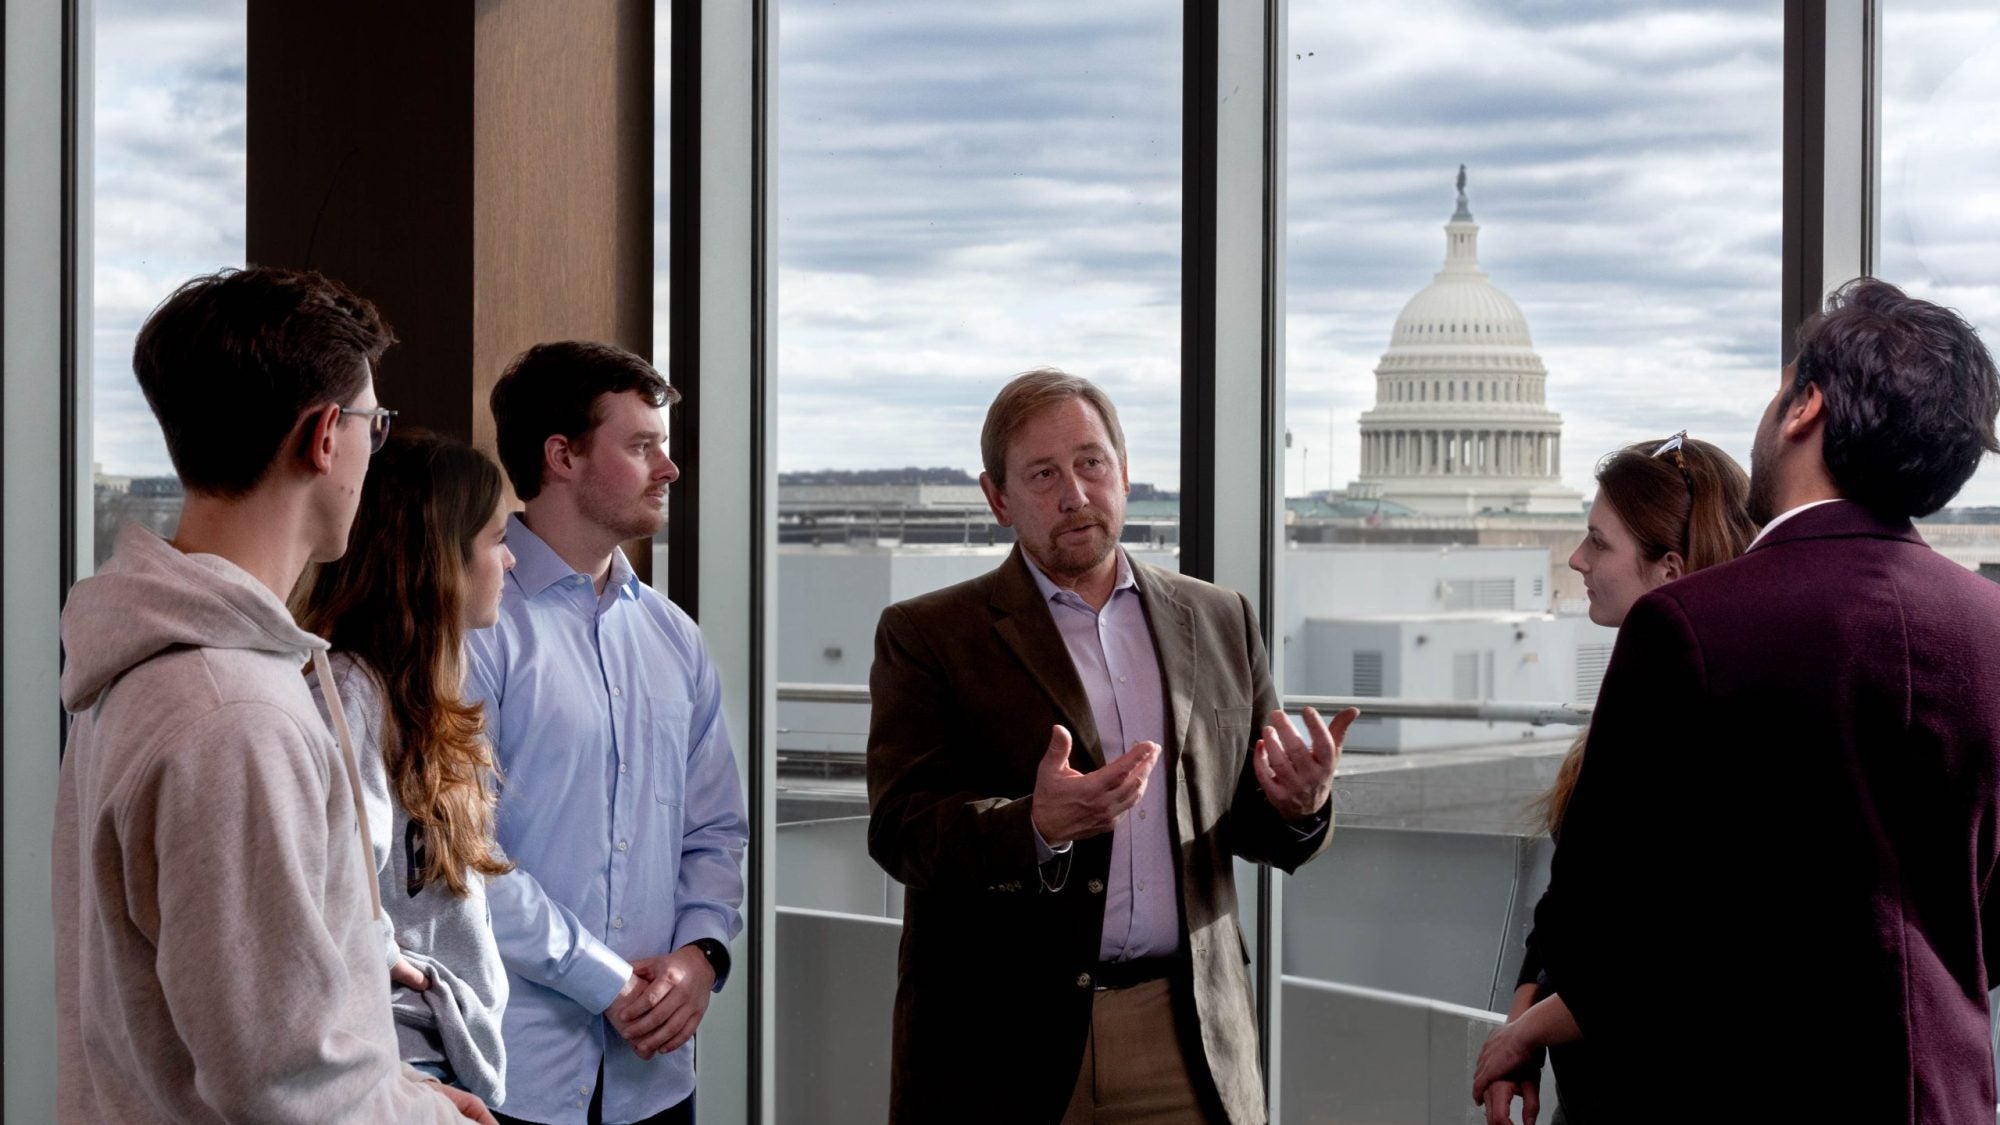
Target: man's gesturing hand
<point x="1076" y="806"/>
<point x="1298" y="778"/>
<point x="662" y="1005"/>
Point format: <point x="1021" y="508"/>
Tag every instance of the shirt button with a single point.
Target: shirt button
<point x="1083" y="980"/>
<point x="621" y="767"/>
<point x="1142" y="814"/>
<point x="583" y="1089"/>
<point x="1097" y="886"/>
<point x="1121" y="679"/>
<point x="618" y="923"/>
<point x="622" y="845"/>
<point x="1140" y="885"/>
<point x="616" y="690"/>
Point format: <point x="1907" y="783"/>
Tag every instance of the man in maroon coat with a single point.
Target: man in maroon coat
<point x="1775" y="894"/>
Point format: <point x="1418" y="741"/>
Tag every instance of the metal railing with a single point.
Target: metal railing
<point x="1465" y="710"/>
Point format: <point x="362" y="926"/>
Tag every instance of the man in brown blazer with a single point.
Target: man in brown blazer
<point x="1062" y="761"/>
<point x="1775" y="894"/>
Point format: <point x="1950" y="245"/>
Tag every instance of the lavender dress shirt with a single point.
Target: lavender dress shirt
<point x="1114" y="656"/>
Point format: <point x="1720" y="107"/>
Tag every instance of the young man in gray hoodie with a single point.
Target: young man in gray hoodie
<point x="217" y="958"/>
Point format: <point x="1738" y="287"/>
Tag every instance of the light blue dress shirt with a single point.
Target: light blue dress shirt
<point x="620" y="805"/>
<point x="1113" y="652"/>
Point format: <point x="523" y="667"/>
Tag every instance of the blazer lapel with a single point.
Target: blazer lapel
<point x="1023" y="621"/>
<point x="1172" y="625"/>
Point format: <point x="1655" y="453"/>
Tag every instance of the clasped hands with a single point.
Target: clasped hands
<point x="663" y="1001"/>
<point x="1296" y="775"/>
<point x="1510" y="1062"/>
<point x="1509" y="1068"/>
<point x="659" y="1008"/>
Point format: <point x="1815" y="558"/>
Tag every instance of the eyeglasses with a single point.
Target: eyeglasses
<point x="378" y="423"/>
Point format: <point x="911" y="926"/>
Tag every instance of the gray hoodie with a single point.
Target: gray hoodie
<point x="216" y="959"/>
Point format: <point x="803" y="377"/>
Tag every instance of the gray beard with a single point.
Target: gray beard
<point x="1074" y="564"/>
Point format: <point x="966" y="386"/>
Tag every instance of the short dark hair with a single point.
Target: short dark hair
<point x="232" y="359"/>
<point x="1910" y="393"/>
<point x="554" y="389"/>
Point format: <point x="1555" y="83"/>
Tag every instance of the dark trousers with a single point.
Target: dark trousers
<point x="682" y="1114"/>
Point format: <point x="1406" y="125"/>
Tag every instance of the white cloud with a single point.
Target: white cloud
<point x="168" y="200"/>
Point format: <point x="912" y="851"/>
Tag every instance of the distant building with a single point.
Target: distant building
<point x="156" y="488"/>
<point x="927" y="507"/>
<point x="1430" y="622"/>
<point x="1442" y="622"/>
<point x="151" y="502"/>
<point x="1461" y="424"/>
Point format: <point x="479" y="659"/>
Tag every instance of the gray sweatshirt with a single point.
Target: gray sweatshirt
<point x="456" y="1021"/>
<point x="216" y="958"/>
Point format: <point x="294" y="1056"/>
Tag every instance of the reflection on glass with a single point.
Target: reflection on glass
<point x="168" y="172"/>
<point x="1460" y="354"/>
<point x="1940" y="220"/>
<point x="965" y="192"/>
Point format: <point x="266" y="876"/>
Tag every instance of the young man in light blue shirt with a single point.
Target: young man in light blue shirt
<point x="621" y="804"/>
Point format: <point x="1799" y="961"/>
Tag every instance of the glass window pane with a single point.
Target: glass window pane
<point x="964" y="192"/>
<point x="168" y="158"/>
<point x="1459" y="357"/>
<point x="1940" y="219"/>
<point x="663" y="19"/>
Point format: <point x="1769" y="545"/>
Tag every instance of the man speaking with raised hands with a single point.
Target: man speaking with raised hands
<point x="1061" y="766"/>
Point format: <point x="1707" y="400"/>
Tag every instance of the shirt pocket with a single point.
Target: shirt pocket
<point x="667" y="755"/>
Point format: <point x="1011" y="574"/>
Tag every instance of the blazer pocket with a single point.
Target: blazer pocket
<point x="1232" y="727"/>
<point x="666" y="757"/>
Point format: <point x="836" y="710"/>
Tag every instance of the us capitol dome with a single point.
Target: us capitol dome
<point x="1461" y="424"/>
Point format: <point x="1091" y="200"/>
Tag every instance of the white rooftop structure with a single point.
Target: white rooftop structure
<point x="1461" y="423"/>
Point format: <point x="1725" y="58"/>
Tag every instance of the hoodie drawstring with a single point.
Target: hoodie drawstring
<point x="323" y="669"/>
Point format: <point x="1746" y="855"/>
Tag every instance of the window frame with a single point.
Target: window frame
<point x="721" y="334"/>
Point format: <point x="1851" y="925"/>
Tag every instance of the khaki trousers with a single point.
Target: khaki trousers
<point x="1134" y="1071"/>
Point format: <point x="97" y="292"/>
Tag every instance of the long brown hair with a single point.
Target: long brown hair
<point x="1694" y="504"/>
<point x="394" y="602"/>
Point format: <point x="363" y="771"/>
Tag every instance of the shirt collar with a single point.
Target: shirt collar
<point x="537" y="566"/>
<point x="1051" y="591"/>
<point x="1783" y="516"/>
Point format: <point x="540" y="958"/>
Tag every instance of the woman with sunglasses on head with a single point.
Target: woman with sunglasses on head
<point x="1663" y="509"/>
<point x="424" y="564"/>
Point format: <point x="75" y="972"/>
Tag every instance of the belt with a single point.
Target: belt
<point x="1139" y="970"/>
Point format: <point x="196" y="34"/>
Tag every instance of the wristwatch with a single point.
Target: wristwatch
<point x="717" y="954"/>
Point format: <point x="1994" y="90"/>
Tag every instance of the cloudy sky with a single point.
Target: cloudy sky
<point x="967" y="190"/>
<point x="169" y="168"/>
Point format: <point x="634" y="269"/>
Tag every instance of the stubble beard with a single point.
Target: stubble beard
<point x="626" y="521"/>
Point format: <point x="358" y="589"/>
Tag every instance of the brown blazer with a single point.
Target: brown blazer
<point x="994" y="992"/>
<point x="1775" y="891"/>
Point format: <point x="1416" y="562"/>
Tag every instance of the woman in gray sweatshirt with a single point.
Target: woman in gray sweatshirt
<point x="424" y="563"/>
